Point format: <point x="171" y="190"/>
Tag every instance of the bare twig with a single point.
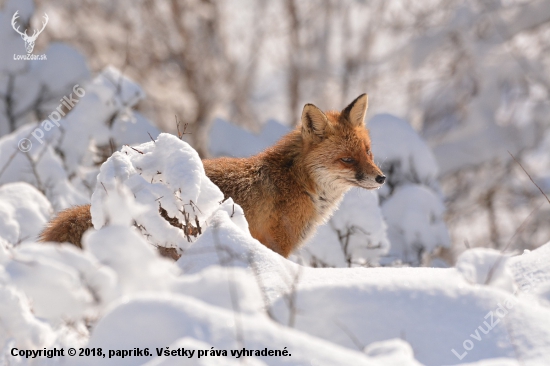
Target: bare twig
<point x="141" y="152"/>
<point x="32" y="163"/>
<point x="290" y="297"/>
<point x="184" y="132"/>
<point x="105" y="189"/>
<point x="239" y="335"/>
<point x="8" y="162"/>
<point x="259" y="281"/>
<point x="518" y="230"/>
<point x="360" y="346"/>
<point x="516" y="160"/>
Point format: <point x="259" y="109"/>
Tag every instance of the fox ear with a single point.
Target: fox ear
<point x="314" y="123"/>
<point x="356" y="110"/>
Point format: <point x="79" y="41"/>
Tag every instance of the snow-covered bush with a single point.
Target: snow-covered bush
<point x="411" y="201"/>
<point x="57" y="124"/>
<point x="402" y="153"/>
<point x="173" y="196"/>
<point x="61" y="161"/>
<point x="414" y="215"/>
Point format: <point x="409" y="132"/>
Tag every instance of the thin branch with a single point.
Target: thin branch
<point x="519" y="230"/>
<point x="350" y="334"/>
<point x="516" y="160"/>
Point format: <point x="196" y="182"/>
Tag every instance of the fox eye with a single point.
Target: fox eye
<point x="347" y="160"/>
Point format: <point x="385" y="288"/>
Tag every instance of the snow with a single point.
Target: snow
<point x="431" y="311"/>
<point x="414" y="215"/>
<point x="401" y="152"/>
<point x="486" y="266"/>
<point x="411" y="200"/>
<point x="105" y="97"/>
<point x="435" y="310"/>
<point x="19" y="326"/>
<point x="40" y="167"/>
<point x="38" y="277"/>
<point x="49" y="163"/>
<point x="23" y="211"/>
<point x="60" y="79"/>
<point x="171" y="318"/>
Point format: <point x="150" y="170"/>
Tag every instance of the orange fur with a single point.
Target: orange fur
<point x="68" y="226"/>
<point x="288" y="189"/>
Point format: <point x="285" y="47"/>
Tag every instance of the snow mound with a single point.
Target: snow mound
<point x="23" y="212"/>
<point x="486" y="266"/>
<point x="400" y="303"/>
<point x="393" y="352"/>
<point x="20" y="328"/>
<point x="169" y="318"/>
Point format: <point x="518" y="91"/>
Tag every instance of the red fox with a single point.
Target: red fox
<point x="287" y="190"/>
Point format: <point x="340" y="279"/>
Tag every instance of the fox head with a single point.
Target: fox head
<point x="339" y="148"/>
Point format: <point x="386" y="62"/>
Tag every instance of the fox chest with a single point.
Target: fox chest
<point x="322" y="208"/>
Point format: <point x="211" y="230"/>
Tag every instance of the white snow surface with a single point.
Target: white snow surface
<point x="256" y="299"/>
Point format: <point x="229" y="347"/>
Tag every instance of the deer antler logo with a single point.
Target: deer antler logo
<point x="29" y="41"/>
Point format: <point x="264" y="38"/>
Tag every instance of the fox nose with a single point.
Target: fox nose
<point x="380" y="179"/>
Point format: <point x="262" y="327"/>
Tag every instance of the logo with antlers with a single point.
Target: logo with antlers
<point x="29" y="40"/>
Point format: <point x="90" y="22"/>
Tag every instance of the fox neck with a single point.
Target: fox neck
<point x="324" y="191"/>
<point x="329" y="194"/>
